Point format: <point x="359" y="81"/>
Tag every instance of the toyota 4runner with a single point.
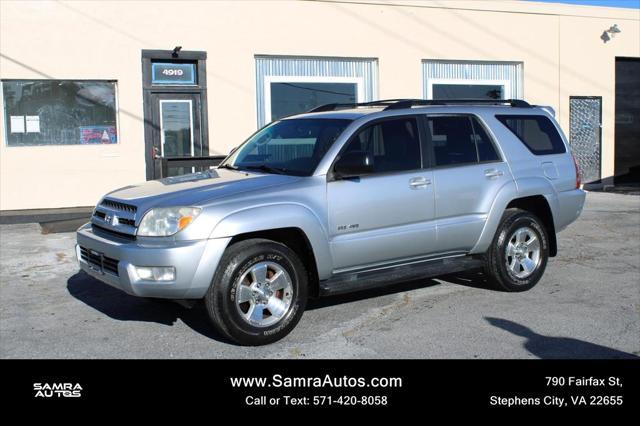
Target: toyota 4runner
<point x="343" y="198"/>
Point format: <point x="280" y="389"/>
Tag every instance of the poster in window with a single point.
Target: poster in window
<point x="33" y="123"/>
<point x="91" y="135"/>
<point x="17" y="124"/>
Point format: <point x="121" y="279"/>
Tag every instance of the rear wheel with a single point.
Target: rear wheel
<point x="518" y="255"/>
<point x="259" y="292"/>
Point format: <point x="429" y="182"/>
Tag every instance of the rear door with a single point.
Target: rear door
<point x="387" y="215"/>
<point x="467" y="173"/>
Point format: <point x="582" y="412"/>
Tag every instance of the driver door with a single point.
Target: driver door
<point x="387" y="215"/>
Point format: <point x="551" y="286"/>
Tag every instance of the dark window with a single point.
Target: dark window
<point x="486" y="150"/>
<point x="468" y="91"/>
<point x="452" y="139"/>
<point x="59" y="112"/>
<point x="394" y="144"/>
<point x="293" y="98"/>
<point x="293" y="146"/>
<point x="537" y="132"/>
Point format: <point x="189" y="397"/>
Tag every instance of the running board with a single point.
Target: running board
<point x="347" y="282"/>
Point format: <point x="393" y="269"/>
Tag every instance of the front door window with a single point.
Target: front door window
<point x="176" y="128"/>
<point x="176" y="131"/>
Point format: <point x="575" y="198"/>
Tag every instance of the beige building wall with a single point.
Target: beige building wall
<point x="558" y="44"/>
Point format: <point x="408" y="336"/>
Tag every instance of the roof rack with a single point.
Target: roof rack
<point x="391" y="104"/>
<point x="333" y="107"/>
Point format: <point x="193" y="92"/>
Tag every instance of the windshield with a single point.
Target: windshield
<point x="293" y="146"/>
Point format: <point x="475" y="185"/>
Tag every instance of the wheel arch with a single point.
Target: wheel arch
<point x="296" y="240"/>
<point x="533" y="194"/>
<point x="290" y="224"/>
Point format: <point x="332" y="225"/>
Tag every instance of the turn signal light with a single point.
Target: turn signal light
<point x="184" y="221"/>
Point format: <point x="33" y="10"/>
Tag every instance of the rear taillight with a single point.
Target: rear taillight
<point x="575" y="163"/>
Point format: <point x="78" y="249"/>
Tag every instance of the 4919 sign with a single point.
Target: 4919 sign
<point x="173" y="73"/>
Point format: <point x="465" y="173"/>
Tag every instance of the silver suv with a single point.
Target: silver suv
<point x="343" y="198"/>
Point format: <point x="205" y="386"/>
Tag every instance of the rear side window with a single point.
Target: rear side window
<point x="459" y="140"/>
<point x="537" y="132"/>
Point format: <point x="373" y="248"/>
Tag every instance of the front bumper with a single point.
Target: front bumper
<point x="195" y="263"/>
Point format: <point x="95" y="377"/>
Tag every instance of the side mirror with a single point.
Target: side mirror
<point x="354" y="164"/>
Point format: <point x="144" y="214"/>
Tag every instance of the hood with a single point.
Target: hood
<point x="195" y="188"/>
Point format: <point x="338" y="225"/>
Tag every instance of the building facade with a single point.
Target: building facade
<point x="100" y="95"/>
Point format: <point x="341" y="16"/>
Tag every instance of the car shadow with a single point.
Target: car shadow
<point x="471" y="278"/>
<point x="552" y="347"/>
<point x="123" y="307"/>
<point x="339" y="299"/>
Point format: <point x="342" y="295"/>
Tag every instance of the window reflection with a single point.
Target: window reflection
<point x="468" y="91"/>
<point x="294" y="98"/>
<point x="59" y="112"/>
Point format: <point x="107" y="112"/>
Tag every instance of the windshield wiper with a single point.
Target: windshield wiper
<point x="228" y="166"/>
<point x="268" y="169"/>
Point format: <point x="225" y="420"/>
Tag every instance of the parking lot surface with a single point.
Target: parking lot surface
<point x="587" y="305"/>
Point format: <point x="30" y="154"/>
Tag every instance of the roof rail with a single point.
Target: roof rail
<point x="408" y="103"/>
<point x="333" y="107"/>
<point x="391" y="104"/>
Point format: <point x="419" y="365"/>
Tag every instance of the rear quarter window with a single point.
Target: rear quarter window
<point x="536" y="132"/>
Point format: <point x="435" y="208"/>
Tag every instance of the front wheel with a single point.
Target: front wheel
<point x="259" y="292"/>
<point x="519" y="252"/>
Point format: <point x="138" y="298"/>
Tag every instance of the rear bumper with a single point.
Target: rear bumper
<point x="570" y="205"/>
<point x="195" y="263"/>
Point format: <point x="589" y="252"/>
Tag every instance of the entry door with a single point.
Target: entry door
<point x="627" y="127"/>
<point x="585" y="118"/>
<point x="177" y="131"/>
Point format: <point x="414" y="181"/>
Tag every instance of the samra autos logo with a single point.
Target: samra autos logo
<point x="57" y="390"/>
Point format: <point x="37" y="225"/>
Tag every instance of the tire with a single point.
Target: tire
<point x="255" y="277"/>
<point x="511" y="263"/>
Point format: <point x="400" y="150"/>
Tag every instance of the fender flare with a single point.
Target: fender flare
<point x="516" y="189"/>
<point x="280" y="215"/>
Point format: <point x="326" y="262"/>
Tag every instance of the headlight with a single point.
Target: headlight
<point x="165" y="221"/>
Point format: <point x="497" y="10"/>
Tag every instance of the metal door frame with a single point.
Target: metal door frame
<point x="149" y="89"/>
<point x="599" y="98"/>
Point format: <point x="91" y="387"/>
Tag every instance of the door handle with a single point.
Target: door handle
<point x="492" y="173"/>
<point x="419" y="183"/>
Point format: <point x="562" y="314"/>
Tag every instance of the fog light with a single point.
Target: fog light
<point x="156" y="273"/>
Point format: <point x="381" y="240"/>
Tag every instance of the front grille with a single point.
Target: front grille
<point x="122" y="220"/>
<point x="109" y="232"/>
<point x="105" y="263"/>
<point x="116" y="205"/>
<point x="129" y="222"/>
